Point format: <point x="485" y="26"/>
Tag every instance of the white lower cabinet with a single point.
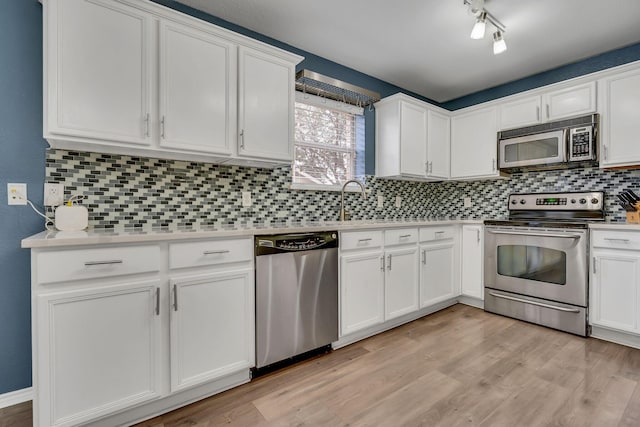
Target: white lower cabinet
<point x="437" y="273"/>
<point x="472" y="260"/>
<point x="401" y="281"/>
<point x="361" y="290"/>
<point x="211" y="326"/>
<point x="119" y="334"/>
<point x="97" y="352"/>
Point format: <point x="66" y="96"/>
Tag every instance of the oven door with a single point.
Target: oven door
<point x="547" y="263"/>
<point x="533" y="150"/>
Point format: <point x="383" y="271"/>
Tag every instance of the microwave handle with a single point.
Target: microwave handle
<point x="566" y="143"/>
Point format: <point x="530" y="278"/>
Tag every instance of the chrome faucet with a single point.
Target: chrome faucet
<point x="364" y="196"/>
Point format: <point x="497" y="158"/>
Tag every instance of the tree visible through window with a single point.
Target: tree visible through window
<point x="325" y="144"/>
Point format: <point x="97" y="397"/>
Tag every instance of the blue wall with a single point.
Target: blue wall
<point x="21" y="160"/>
<point x="22" y="151"/>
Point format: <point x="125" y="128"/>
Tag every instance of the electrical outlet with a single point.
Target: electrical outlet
<point x="380" y="201"/>
<point x="246" y="199"/>
<point x="467" y="202"/>
<point x="53" y="194"/>
<point x="16" y="194"/>
<point x="398" y="202"/>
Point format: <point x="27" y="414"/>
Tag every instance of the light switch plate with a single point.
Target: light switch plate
<point x="380" y="201"/>
<point x="246" y="199"/>
<point x="398" y="202"/>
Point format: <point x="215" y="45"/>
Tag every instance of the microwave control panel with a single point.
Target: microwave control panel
<point x="581" y="144"/>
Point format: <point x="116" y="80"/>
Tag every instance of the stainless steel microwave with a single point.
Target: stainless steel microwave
<point x="558" y="145"/>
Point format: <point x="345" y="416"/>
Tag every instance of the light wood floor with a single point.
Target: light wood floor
<point x="460" y="366"/>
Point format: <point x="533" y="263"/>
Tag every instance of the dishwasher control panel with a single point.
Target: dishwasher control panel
<point x="295" y="242"/>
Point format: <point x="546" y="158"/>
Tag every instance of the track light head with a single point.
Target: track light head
<point x="499" y="45"/>
<point x="478" y="30"/>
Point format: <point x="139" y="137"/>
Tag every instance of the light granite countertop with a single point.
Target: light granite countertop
<point x="53" y="239"/>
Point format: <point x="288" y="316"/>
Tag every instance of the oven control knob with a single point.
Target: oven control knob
<point x="523" y="201"/>
<point x="573" y="201"/>
<point x="583" y="201"/>
<point x="595" y="201"/>
<point x="514" y="201"/>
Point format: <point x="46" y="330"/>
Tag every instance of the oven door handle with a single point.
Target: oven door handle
<point x="539" y="304"/>
<point x="520" y="233"/>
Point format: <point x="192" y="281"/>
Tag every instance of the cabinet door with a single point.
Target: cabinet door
<point x="472" y="261"/>
<point x="98" y="351"/>
<point x="620" y="121"/>
<point x="520" y="112"/>
<point x="212" y="327"/>
<point x="265" y="104"/>
<point x="401" y="282"/>
<point x="438" y="145"/>
<point x="197" y="90"/>
<point x="614" y="290"/>
<point x="572" y="101"/>
<point x="413" y="139"/>
<point x="474" y="144"/>
<point x="361" y="291"/>
<point x="436" y="273"/>
<point x="98" y="79"/>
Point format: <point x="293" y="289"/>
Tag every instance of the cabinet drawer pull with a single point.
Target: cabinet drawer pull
<point x="146" y="125"/>
<point x="478" y="233"/>
<point x="539" y="304"/>
<point x="610" y="239"/>
<point x="538" y="113"/>
<point x="108" y="262"/>
<point x="242" y="139"/>
<point x="424" y="256"/>
<point x="365" y="240"/>
<point x="405" y="236"/>
<point x="221" y="251"/>
<point x="594" y="265"/>
<point x="162" y="124"/>
<point x="389" y="263"/>
<point x="547" y="111"/>
<point x="382" y="263"/>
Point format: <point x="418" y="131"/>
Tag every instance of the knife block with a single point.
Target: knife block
<point x="634" y="217"/>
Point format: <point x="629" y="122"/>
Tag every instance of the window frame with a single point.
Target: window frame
<point x="306" y="98"/>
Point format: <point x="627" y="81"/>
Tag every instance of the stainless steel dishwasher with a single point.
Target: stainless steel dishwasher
<point x="296" y="295"/>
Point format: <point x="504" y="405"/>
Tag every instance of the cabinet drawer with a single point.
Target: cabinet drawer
<point x="401" y="236"/>
<point x="209" y="252"/>
<point x="616" y="239"/>
<point x="436" y="233"/>
<point x="79" y="264"/>
<point x="360" y="239"/>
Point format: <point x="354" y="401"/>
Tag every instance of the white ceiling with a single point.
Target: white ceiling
<point x="424" y="46"/>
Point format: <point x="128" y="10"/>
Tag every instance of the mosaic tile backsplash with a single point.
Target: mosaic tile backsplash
<point x="123" y="191"/>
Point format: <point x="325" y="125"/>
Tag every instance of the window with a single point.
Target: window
<point x="328" y="143"/>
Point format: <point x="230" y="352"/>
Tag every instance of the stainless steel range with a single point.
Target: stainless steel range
<point x="536" y="263"/>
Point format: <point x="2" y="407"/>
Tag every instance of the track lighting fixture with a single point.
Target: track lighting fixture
<point x="476" y="7"/>
<point x="499" y="45"/>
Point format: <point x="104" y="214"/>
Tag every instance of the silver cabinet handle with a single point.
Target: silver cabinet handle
<point x="175" y="297"/>
<point x="426" y="167"/>
<point x="594" y="265"/>
<point x="478" y="234"/>
<point x="146" y="125"/>
<point x="493" y="165"/>
<point x="424" y="256"/>
<point x="221" y="251"/>
<point x="539" y="304"/>
<point x="538" y="113"/>
<point x="605" y="152"/>
<point x="515" y="233"/>
<point x="389" y="263"/>
<point x="108" y="262"/>
<point x="404" y="236"/>
<point x="242" y="139"/>
<point x="431" y="166"/>
<point x="162" y="127"/>
<point x="368" y="239"/>
<point x="157" y="301"/>
<point x="617" y="240"/>
<point x="547" y="111"/>
<point x="382" y="263"/>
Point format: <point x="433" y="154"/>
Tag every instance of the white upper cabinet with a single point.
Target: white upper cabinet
<point x="137" y="78"/>
<point x="97" y="79"/>
<point x="474" y="144"/>
<point x="619" y="106"/>
<point x="197" y="74"/>
<point x="412" y="139"/>
<point x="552" y="105"/>
<point x="266" y="98"/>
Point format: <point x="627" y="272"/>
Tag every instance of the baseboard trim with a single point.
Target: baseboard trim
<point x="15" y="397"/>
<point x="618" y="337"/>
<point x="472" y="301"/>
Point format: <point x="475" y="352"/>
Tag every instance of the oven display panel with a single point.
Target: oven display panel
<point x="554" y="201"/>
